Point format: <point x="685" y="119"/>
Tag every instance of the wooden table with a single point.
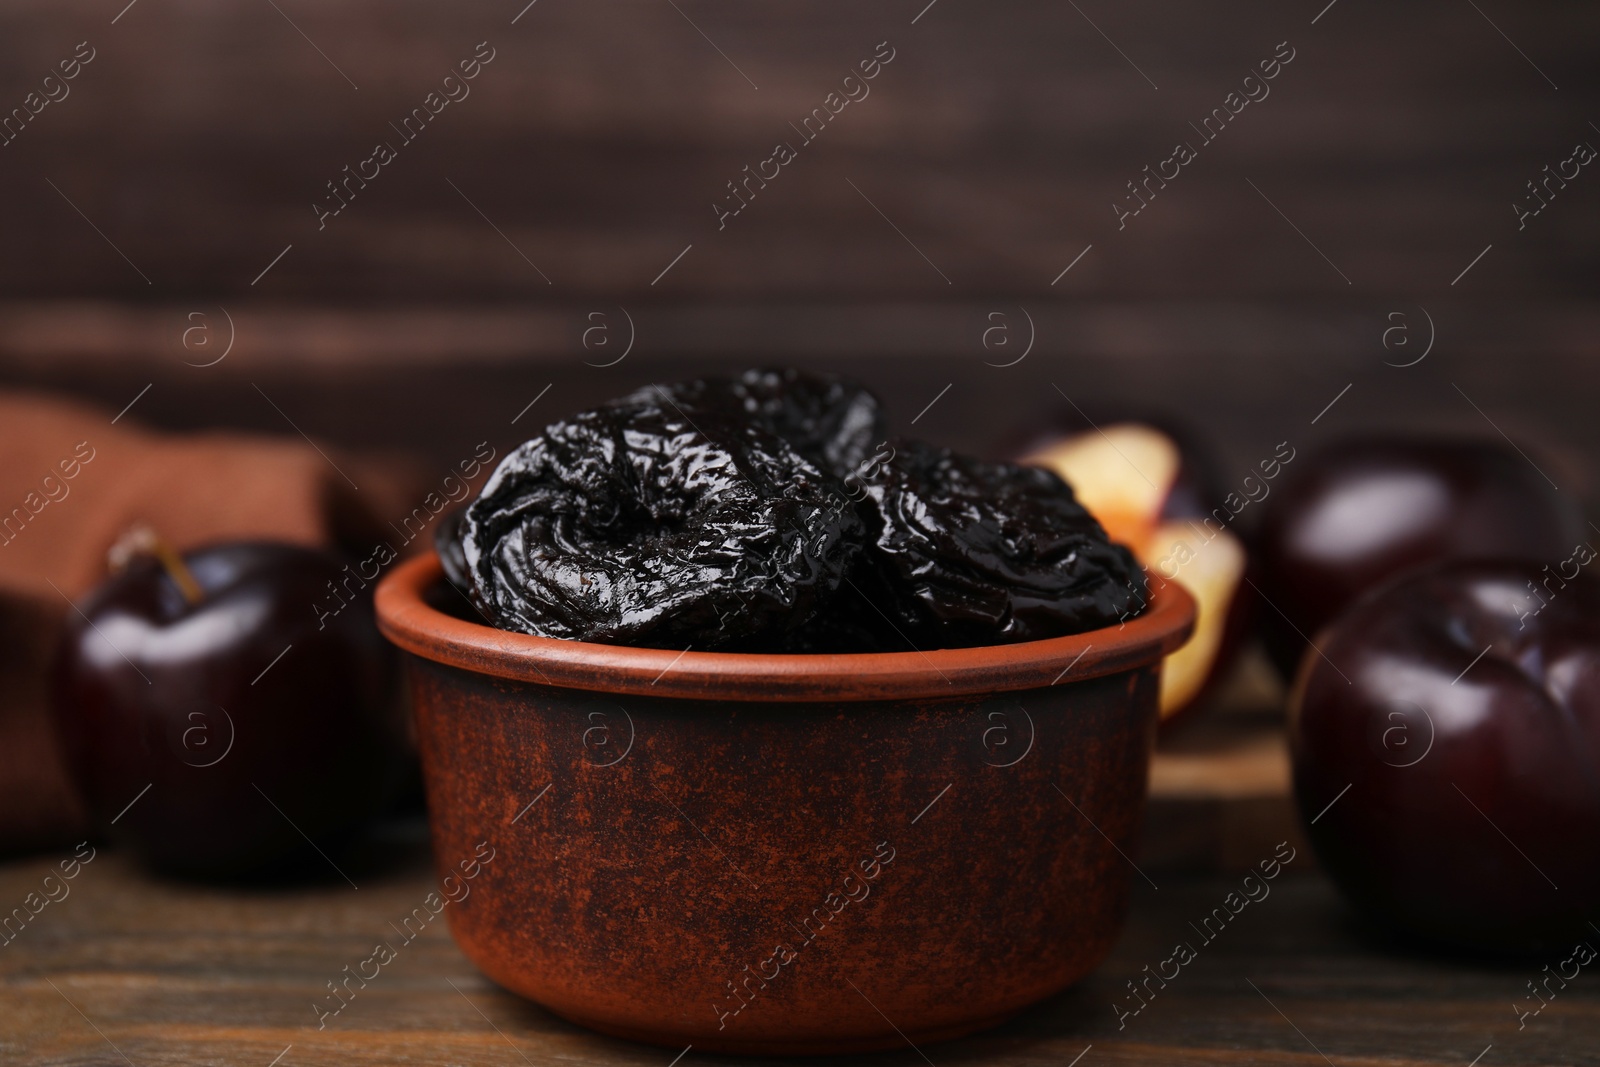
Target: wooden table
<point x="129" y="969"/>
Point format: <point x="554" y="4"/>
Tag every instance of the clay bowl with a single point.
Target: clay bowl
<point x="781" y="854"/>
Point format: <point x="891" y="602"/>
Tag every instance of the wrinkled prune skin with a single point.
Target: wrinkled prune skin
<point x="767" y="513"/>
<point x="853" y="621"/>
<point x="986" y="553"/>
<point x="660" y="522"/>
<point x="833" y="423"/>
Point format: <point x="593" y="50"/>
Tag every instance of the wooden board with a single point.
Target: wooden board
<point x="599" y="137"/>
<point x="436" y="381"/>
<point x="129" y="970"/>
<point x="1220" y="789"/>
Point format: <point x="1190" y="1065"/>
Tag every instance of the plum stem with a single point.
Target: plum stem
<point x="142" y="540"/>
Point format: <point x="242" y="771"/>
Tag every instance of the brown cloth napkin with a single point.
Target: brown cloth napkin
<point x="71" y="482"/>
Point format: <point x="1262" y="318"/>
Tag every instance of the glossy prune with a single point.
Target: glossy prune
<point x="833" y="423"/>
<point x="766" y="513"/>
<point x="980" y="553"/>
<point x="655" y="522"/>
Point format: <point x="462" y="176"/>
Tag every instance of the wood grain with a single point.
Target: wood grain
<point x="437" y="380"/>
<point x="600" y="136"/>
<point x="1220" y="790"/>
<point x="592" y="147"/>
<point x="183" y="976"/>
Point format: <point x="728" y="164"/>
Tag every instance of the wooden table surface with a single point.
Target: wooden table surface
<point x="130" y="969"/>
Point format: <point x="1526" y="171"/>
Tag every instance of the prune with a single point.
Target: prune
<point x="833" y="423"/>
<point x="978" y="553"/>
<point x="766" y="513"/>
<point x="655" y="522"/>
<point x="854" y="621"/>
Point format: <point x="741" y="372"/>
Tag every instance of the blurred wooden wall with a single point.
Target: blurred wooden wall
<point x="461" y="280"/>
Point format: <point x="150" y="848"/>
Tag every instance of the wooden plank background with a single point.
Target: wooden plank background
<point x="463" y="280"/>
<point x="599" y="136"/>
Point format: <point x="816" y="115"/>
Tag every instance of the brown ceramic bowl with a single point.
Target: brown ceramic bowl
<point x="781" y="854"/>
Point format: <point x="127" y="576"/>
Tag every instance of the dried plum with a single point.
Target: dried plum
<point x="833" y="423"/>
<point x="766" y="513"/>
<point x="978" y="553"/>
<point x="659" y="523"/>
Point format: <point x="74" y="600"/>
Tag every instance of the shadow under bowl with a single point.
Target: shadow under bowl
<point x="782" y="854"/>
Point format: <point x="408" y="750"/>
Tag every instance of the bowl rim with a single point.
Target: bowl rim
<point x="406" y="619"/>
